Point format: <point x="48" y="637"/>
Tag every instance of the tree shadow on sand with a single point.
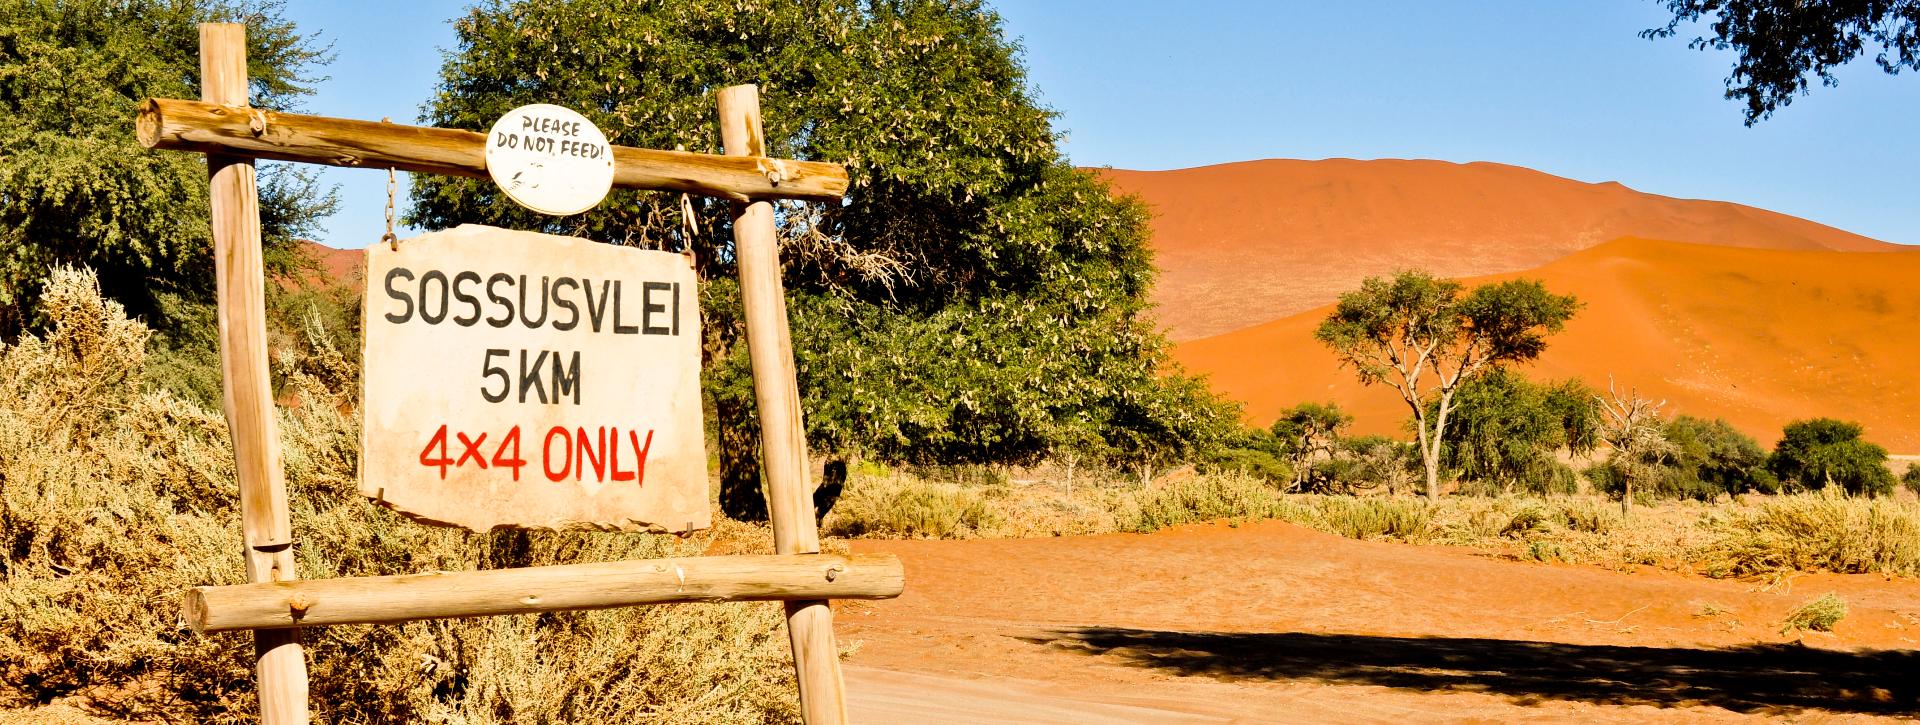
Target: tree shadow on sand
<point x="1754" y="678"/>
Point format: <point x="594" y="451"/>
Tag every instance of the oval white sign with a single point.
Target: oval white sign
<point x="550" y="159"/>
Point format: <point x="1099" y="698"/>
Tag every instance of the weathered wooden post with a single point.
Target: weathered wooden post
<point x="783" y="440"/>
<point x="246" y="387"/>
<point x="399" y="406"/>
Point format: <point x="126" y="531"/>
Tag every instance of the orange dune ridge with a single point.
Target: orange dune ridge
<point x="1756" y="336"/>
<point x="1278" y="237"/>
<point x="337" y="267"/>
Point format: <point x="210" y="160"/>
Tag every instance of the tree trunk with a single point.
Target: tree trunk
<point x="1146" y="475"/>
<point x="1071" y="460"/>
<point x="741" y="497"/>
<point x="833" y="480"/>
<point x="1626" y="493"/>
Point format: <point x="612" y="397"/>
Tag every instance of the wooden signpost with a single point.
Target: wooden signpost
<point x="517" y="379"/>
<point x="483" y="413"/>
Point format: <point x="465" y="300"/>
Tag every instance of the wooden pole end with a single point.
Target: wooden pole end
<point x="147" y="124"/>
<point x="193" y="609"/>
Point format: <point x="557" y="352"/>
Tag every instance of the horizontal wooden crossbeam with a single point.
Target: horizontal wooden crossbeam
<point x="210" y="128"/>
<point x="440" y="595"/>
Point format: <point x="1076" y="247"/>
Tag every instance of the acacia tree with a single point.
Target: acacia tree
<point x="1633" y="429"/>
<point x="1423" y="335"/>
<point x="76" y="188"/>
<point x="1783" y="43"/>
<point x="1307" y="434"/>
<point x="975" y="299"/>
<point x="1504" y="429"/>
<point x="1822" y="452"/>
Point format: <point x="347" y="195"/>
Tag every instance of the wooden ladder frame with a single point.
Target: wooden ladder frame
<point x="275" y="604"/>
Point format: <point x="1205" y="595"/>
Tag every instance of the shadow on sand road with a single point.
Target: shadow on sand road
<point x="1755" y="678"/>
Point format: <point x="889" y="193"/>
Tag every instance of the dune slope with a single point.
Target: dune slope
<point x="1245" y="243"/>
<point x="1757" y="336"/>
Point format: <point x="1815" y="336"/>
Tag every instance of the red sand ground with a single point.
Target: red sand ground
<point x="1759" y="337"/>
<point x="1278" y="237"/>
<point x="1275" y="623"/>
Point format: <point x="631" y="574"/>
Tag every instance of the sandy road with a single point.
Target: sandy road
<point x="1274" y="623"/>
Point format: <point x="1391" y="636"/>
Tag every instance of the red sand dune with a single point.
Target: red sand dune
<point x="1245" y="243"/>
<point x="1756" y="336"/>
<point x="340" y="265"/>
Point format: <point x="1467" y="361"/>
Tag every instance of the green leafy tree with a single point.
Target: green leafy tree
<point x="1822" y="452"/>
<point x="77" y="189"/>
<point x="1425" y="336"/>
<point x="1505" y="430"/>
<point x="1307" y="435"/>
<point x="1782" y="44"/>
<point x="1379" y="462"/>
<point x="1719" y="457"/>
<point x="975" y="299"/>
<point x="1911" y="479"/>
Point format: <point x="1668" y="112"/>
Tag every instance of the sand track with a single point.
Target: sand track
<point x="1274" y="623"/>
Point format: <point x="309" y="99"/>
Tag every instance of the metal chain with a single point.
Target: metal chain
<point x="392" y="240"/>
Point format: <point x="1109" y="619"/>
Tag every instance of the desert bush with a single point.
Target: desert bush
<point x="1911" y="479"/>
<point x="1204" y="498"/>
<point x="1504" y="431"/>
<point x="1586" y="516"/>
<point x="1371" y="518"/>
<point x="114" y="499"/>
<point x="1252" y="461"/>
<point x="1818" y="615"/>
<point x="1718" y="456"/>
<point x="1817" y="532"/>
<point x="911" y="510"/>
<point x="1814" y="454"/>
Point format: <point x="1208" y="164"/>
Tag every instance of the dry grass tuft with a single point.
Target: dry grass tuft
<point x="1818" y="615"/>
<point x="114" y="499"/>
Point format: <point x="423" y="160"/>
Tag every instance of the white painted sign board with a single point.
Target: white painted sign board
<point x="550" y="159"/>
<point x="520" y="380"/>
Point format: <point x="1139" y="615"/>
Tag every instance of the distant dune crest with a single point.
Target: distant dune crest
<point x="1278" y="237"/>
<point x="1757" y="336"/>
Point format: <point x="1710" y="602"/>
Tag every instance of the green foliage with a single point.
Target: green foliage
<point x="1253" y="452"/>
<point x="1306" y="437"/>
<point x="1699" y="459"/>
<point x="1378" y="329"/>
<point x="1504" y="431"/>
<point x="1782" y="43"/>
<point x="1376" y="462"/>
<point x="1911" y="479"/>
<point x="1426" y="336"/>
<point x="1813" y="454"/>
<point x="1719" y="456"/>
<point x="1818" y="614"/>
<point x="976" y="299"/>
<point x="79" y="189"/>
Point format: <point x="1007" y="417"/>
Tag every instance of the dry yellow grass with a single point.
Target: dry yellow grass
<point x="1754" y="537"/>
<point x="114" y="499"/>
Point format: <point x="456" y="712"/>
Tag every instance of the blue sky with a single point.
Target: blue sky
<point x="1564" y="87"/>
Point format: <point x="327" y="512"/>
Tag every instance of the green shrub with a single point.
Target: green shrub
<point x="1818" y="615"/>
<point x="1911" y="479"/>
<point x="1255" y="462"/>
<point x="1371" y="518"/>
<point x="1813" y="454"/>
